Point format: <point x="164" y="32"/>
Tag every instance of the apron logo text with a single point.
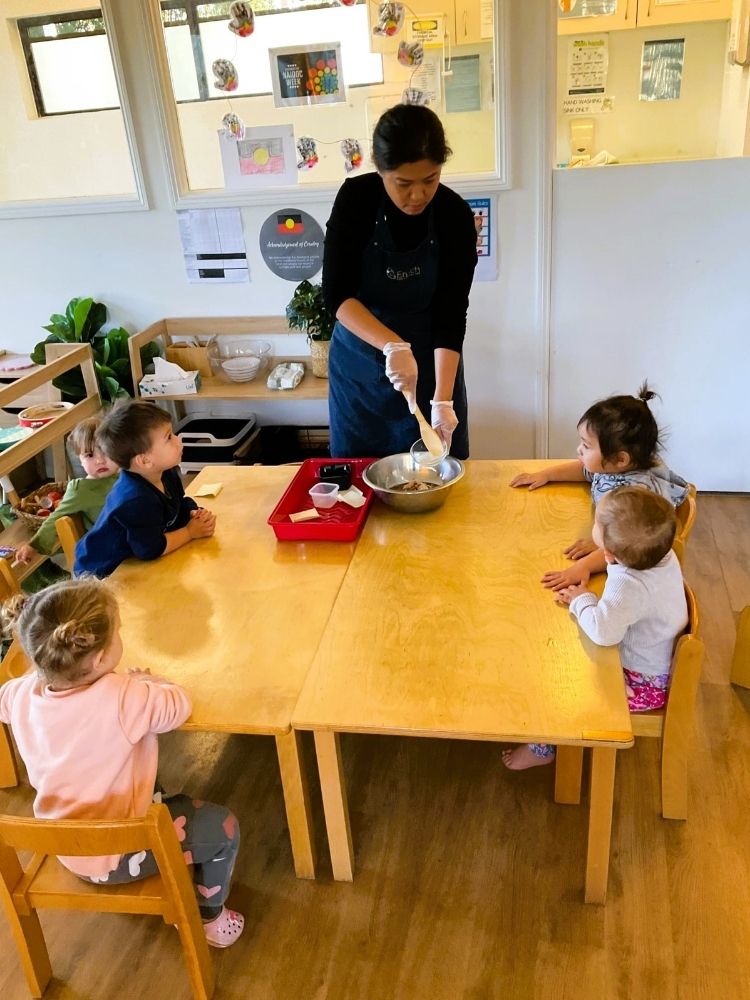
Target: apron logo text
<point x="412" y="272"/>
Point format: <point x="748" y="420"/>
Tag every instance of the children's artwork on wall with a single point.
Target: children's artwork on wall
<point x="390" y="19"/>
<point x="308" y="153"/>
<point x="243" y="19"/>
<point x="307" y="75"/>
<point x="264" y="157"/>
<point x="410" y="54"/>
<point x="225" y="75"/>
<point x="233" y="125"/>
<point x="412" y="95"/>
<point x="352" y="153"/>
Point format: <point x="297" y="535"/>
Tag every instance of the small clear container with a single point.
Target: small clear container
<point x="423" y="457"/>
<point x="324" y="495"/>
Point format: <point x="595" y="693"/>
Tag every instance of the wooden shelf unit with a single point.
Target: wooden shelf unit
<point x="170" y="330"/>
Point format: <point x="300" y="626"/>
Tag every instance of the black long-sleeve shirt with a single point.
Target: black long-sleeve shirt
<point x="350" y="229"/>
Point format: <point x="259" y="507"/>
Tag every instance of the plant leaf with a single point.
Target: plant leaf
<point x="80" y="315"/>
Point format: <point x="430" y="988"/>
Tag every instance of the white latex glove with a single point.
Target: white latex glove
<point x="444" y="419"/>
<point x="401" y="368"/>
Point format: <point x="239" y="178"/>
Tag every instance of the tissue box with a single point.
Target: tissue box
<point x="154" y="385"/>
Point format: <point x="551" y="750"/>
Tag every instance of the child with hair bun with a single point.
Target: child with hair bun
<point x="643" y="608"/>
<point x="619" y="446"/>
<point x="89" y="739"/>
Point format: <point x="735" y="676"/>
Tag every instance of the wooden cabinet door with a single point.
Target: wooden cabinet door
<point x="469" y="23"/>
<point x="582" y="17"/>
<point x="653" y="12"/>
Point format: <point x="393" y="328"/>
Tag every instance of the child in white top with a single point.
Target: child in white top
<point x="643" y="607"/>
<point x="88" y="737"/>
<point x="619" y="446"/>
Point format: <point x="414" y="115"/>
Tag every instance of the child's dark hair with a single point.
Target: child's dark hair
<point x="625" y="423"/>
<point x="126" y="430"/>
<point x="61" y="626"/>
<point x="407" y="133"/>
<point x="82" y="439"/>
<point x="638" y="526"/>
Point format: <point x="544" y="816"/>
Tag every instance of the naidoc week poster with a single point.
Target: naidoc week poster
<point x="307" y="74"/>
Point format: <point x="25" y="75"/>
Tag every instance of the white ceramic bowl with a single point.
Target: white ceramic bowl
<point x="241" y="369"/>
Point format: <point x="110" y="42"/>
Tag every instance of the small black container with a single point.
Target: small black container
<point x="339" y="473"/>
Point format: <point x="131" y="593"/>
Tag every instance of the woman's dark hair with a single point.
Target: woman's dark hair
<point x="625" y="423"/>
<point x="408" y="133"/>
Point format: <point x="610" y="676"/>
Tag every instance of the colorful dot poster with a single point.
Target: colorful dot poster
<point x="307" y="74"/>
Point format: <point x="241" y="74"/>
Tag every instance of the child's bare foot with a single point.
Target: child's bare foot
<point x="521" y="758"/>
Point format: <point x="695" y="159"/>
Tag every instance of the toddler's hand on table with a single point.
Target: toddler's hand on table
<point x="581" y="547"/>
<point x="202" y="512"/>
<point x="568" y="594"/>
<point x="202" y="525"/>
<point x="559" y="579"/>
<point x="531" y="479"/>
<point x="24" y="554"/>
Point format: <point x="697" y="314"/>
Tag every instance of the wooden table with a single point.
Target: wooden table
<point x="237" y="619"/>
<point x="442" y="629"/>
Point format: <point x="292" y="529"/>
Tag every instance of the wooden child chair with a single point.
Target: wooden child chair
<point x="45" y="884"/>
<point x="741" y="660"/>
<point x="685" y="520"/>
<point x="673" y="724"/>
<point x="69" y="531"/>
<point x="13" y="664"/>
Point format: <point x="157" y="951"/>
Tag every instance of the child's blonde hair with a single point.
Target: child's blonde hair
<point x="637" y="526"/>
<point x="82" y="439"/>
<point x="62" y="626"/>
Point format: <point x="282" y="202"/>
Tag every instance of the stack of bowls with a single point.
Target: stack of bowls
<point x="242" y="369"/>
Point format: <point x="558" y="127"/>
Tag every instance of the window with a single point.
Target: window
<point x="69" y="63"/>
<point x="196" y="34"/>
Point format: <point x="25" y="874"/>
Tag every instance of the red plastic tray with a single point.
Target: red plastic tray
<point x="340" y="523"/>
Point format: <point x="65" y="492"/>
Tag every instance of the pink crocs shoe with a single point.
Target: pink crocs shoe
<point x="223" y="931"/>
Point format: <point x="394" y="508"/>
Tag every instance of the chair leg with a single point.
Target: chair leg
<point x="197" y="958"/>
<point x="741" y="661"/>
<point x="8" y="765"/>
<point x="674" y="777"/>
<point x="26" y="930"/>
<point x="568" y="773"/>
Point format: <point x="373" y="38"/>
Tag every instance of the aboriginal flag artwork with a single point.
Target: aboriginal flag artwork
<point x="307" y="75"/>
<point x="286" y="224"/>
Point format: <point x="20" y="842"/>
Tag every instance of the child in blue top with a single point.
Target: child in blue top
<point x="619" y="446"/>
<point x="147" y="514"/>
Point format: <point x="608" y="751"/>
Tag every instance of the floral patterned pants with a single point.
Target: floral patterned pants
<point x="210" y="838"/>
<point x="645" y="694"/>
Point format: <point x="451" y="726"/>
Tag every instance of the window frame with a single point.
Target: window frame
<point x="183" y="197"/>
<point x="24" y="23"/>
<point x="137" y="202"/>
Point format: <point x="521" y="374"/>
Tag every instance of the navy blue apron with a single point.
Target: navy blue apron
<point x="368" y="416"/>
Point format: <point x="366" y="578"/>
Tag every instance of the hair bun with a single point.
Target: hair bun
<point x="646" y="395"/>
<point x="71" y="633"/>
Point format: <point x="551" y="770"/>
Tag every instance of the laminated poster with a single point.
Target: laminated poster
<point x="486" y="250"/>
<point x="307" y="75"/>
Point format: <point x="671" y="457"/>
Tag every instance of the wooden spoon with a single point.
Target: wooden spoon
<point x="429" y="435"/>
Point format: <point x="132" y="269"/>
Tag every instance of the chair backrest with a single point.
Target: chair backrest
<point x="9" y="585"/>
<point x="69" y="530"/>
<point x="741" y="659"/>
<point x="686" y="515"/>
<point x="687" y="663"/>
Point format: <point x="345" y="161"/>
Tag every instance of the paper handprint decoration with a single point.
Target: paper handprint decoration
<point x="225" y="75"/>
<point x="390" y="19"/>
<point x="233" y="125"/>
<point x="308" y="153"/>
<point x="243" y="19"/>
<point x="352" y="153"/>
<point x="410" y="54"/>
<point x="413" y="96"/>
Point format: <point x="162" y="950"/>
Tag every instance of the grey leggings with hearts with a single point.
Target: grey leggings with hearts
<point x="209" y="836"/>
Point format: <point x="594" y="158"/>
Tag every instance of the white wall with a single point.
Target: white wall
<point x="650" y="279"/>
<point x="133" y="261"/>
<point x="655" y="130"/>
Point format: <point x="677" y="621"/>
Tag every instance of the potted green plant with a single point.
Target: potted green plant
<point x="82" y="324"/>
<point x="307" y="311"/>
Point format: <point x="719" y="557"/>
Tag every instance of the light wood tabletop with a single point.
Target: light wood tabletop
<point x="236" y="619"/>
<point x="442" y="628"/>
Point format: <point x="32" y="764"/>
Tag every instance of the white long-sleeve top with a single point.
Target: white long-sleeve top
<point x="642" y="610"/>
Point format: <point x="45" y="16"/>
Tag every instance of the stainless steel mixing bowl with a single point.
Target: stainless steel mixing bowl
<point x="388" y="472"/>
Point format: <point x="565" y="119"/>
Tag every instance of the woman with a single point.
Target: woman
<point x="399" y="260"/>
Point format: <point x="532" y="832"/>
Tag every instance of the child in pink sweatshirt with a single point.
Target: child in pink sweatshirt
<point x="88" y="737"/>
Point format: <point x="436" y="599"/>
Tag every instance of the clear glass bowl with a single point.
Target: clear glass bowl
<point x="425" y="458"/>
<point x="222" y="349"/>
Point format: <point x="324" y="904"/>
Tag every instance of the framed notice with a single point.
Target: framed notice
<point x="307" y="74"/>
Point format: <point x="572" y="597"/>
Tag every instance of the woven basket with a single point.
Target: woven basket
<point x="25" y="508"/>
<point x="319" y="357"/>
